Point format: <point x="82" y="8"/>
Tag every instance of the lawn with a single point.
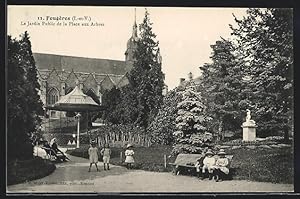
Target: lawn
<point x="26" y="170"/>
<point x="266" y="165"/>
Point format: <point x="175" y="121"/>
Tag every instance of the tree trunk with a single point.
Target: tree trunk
<point x="220" y="130"/>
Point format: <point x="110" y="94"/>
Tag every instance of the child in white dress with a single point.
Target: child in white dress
<point x="221" y="167"/>
<point x="93" y="155"/>
<point x="208" y="164"/>
<point x="129" y="156"/>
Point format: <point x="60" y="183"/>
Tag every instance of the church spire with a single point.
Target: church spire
<point x="134" y="30"/>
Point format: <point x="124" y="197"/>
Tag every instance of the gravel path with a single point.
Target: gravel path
<point x="73" y="176"/>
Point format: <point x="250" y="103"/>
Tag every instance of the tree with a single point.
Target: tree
<point x="163" y="124"/>
<point x="265" y="40"/>
<point x="23" y="103"/>
<point x="146" y="79"/>
<point x="222" y="88"/>
<point x="191" y="135"/>
<point x="111" y="99"/>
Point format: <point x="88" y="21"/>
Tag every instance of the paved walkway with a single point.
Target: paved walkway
<point x="73" y="176"/>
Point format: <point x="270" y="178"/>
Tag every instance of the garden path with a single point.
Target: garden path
<point x="73" y="176"/>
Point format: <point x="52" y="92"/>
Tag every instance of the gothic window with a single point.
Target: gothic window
<point x="53" y="96"/>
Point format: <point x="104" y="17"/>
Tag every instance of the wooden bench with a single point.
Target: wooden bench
<point x="185" y="163"/>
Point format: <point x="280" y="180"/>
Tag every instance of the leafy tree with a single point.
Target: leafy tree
<point x="191" y="135"/>
<point x="222" y="88"/>
<point x="163" y="124"/>
<point x="145" y="78"/>
<point x="265" y="39"/>
<point x="23" y="103"/>
<point x="111" y="99"/>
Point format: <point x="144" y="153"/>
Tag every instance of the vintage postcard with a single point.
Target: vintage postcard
<point x="111" y="99"/>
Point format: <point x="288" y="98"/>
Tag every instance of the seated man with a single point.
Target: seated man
<point x="198" y="166"/>
<point x="221" y="169"/>
<point x="208" y="164"/>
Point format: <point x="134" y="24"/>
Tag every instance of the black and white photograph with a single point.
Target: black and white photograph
<point x="137" y="99"/>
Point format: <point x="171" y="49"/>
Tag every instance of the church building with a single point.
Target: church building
<point x="59" y="74"/>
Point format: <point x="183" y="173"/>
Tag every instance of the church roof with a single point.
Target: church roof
<point x="79" y="64"/>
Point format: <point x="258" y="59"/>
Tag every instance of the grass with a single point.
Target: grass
<point x="149" y="159"/>
<point x="265" y="165"/>
<point x="26" y="170"/>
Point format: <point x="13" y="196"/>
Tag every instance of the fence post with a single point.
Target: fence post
<point x="165" y="160"/>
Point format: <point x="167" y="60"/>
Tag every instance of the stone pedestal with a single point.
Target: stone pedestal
<point x="249" y="131"/>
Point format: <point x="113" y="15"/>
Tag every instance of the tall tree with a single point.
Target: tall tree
<point x="23" y="103"/>
<point x="163" y="124"/>
<point x="146" y="79"/>
<point x="265" y="39"/>
<point x="111" y="99"/>
<point x="32" y="85"/>
<point x="222" y="88"/>
<point x="191" y="124"/>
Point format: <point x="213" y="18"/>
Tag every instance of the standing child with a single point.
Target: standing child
<point x="105" y="152"/>
<point x="93" y="155"/>
<point x="129" y="156"/>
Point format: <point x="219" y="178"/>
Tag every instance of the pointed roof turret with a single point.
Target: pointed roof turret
<point x="134" y="30"/>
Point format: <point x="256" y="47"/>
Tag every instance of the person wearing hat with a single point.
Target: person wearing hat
<point x="221" y="168"/>
<point x="129" y="156"/>
<point x="208" y="164"/>
<point x="93" y="155"/>
<point x="106" y="152"/>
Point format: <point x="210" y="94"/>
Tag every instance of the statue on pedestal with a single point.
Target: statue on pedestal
<point x="248" y="118"/>
<point x="249" y="128"/>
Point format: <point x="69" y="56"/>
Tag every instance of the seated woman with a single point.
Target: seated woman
<point x="221" y="168"/>
<point x="39" y="151"/>
<point x="49" y="150"/>
<point x="55" y="148"/>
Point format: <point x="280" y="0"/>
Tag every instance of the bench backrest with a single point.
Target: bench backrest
<point x="191" y="159"/>
<point x="185" y="159"/>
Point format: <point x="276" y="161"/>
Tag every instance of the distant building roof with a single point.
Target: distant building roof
<point x="183" y="84"/>
<point x="79" y="64"/>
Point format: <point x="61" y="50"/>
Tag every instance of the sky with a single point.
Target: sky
<point x="184" y="34"/>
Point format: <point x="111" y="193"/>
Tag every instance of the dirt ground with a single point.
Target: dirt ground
<point x="73" y="176"/>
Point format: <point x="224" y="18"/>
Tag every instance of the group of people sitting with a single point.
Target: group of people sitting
<point x="216" y="168"/>
<point x="50" y="150"/>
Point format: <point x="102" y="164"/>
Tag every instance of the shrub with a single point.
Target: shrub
<point x="21" y="171"/>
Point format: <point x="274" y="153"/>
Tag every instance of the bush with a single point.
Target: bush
<point x="276" y="165"/>
<point x="26" y="170"/>
<point x="266" y="141"/>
